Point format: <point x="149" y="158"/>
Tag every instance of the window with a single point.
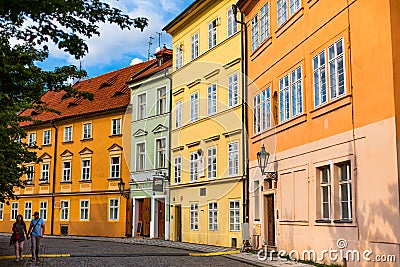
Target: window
<point x="43" y="210"/>
<point x="64" y="210"/>
<point x="264" y="23"/>
<point x="162" y="100"/>
<point x="85" y="169"/>
<point x="325" y="182"/>
<point x="66" y="171"/>
<point x="294" y="6"/>
<point x="14" y="210"/>
<point x="345" y="194"/>
<point x="232" y="24"/>
<point x="337" y="76"/>
<point x="87" y="131"/>
<point x="254" y="33"/>
<point x="234" y="215"/>
<point x="212" y="162"/>
<point x="28" y="211"/>
<point x="233" y="90"/>
<point x="262" y="111"/>
<point x="178" y="169"/>
<point x="114" y="209"/>
<point x="115" y="167"/>
<point x="194" y="107"/>
<point x="32" y="139"/>
<point x="160" y="153"/>
<point x="213" y="216"/>
<point x="141" y="156"/>
<point x="141" y="106"/>
<point x="194" y="167"/>
<point x="45" y="172"/>
<point x="291" y="85"/>
<point x="84" y="210"/>
<point x="178" y="114"/>
<point x="46" y="137"/>
<point x="179" y="57"/>
<point x="30" y="173"/>
<point x="212" y="33"/>
<point x="336" y="69"/>
<point x="195" y="45"/>
<point x="1" y="211"/>
<point x="212" y="99"/>
<point x="68" y="134"/>
<point x="115" y="126"/>
<point x="194" y="216"/>
<point x="283" y="5"/>
<point x="233" y="158"/>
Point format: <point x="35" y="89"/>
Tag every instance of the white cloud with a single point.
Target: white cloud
<point x="136" y="61"/>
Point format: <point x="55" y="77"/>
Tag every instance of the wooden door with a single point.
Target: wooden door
<point x="270" y="220"/>
<point x="161" y="219"/>
<point x="178" y="223"/>
<point x="146" y="216"/>
<point x="129" y="214"/>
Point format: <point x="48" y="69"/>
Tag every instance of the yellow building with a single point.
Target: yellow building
<point x="208" y="167"/>
<point x="75" y="186"/>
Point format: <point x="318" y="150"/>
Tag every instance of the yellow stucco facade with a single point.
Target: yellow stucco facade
<point x="207" y="159"/>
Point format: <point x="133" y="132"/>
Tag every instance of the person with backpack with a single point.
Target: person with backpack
<point x="36" y="229"/>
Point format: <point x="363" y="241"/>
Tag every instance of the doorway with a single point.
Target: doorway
<point x="144" y="215"/>
<point x="270" y="220"/>
<point x="129" y="213"/>
<point x="161" y="218"/>
<point x="178" y="222"/>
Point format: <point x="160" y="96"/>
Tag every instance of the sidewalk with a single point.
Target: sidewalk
<point x="243" y="257"/>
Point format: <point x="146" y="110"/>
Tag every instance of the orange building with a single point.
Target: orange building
<point x="75" y="186"/>
<point x="322" y="93"/>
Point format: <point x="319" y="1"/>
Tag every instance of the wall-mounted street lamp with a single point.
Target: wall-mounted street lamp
<point x="262" y="157"/>
<point x="121" y="188"/>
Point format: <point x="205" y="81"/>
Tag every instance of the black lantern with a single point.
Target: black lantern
<point x="262" y="157"/>
<point x="121" y="188"/>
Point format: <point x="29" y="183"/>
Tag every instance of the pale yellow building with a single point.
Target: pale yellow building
<point x="208" y="168"/>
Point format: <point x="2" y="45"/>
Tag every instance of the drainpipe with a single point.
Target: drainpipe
<point x="245" y="144"/>
<point x="54" y="177"/>
<point x="169" y="150"/>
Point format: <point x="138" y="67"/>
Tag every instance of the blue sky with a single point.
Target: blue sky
<point x="115" y="48"/>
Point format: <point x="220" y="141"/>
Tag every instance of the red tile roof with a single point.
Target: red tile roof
<point x="110" y="91"/>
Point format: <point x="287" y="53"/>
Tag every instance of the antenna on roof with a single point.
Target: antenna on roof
<point x="159" y="38"/>
<point x="150" y="43"/>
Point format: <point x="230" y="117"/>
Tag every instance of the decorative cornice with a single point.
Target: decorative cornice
<point x="140" y="132"/>
<point x="177" y="92"/>
<point x="192" y="144"/>
<point x="212" y="138"/>
<point x="85" y="151"/>
<point x="232" y="63"/>
<point x="197" y="81"/>
<point x="66" y="153"/>
<point x="160" y="128"/>
<point x="211" y="74"/>
<point x="231" y="133"/>
<point x="178" y="148"/>
<point x="115" y="147"/>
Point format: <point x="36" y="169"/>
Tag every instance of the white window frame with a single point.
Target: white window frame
<point x="212" y="33"/>
<point x="194" y="167"/>
<point x="28" y="210"/>
<point x="66" y="171"/>
<point x="45" y="173"/>
<point x="179" y="57"/>
<point x="234" y="215"/>
<point x="142" y="106"/>
<point x="336" y="61"/>
<point x="212" y="162"/>
<point x="284" y="98"/>
<point x="178" y="169"/>
<point x="46" y="137"/>
<point x="87" y="130"/>
<point x="195" y="45"/>
<point x="262" y="111"/>
<point x="296" y="90"/>
<point x="68" y="134"/>
<point x="1" y="211"/>
<point x="282" y="11"/>
<point x="141" y="156"/>
<point x="86" y="169"/>
<point x="254" y="33"/>
<point x="14" y="210"/>
<point x="178" y="114"/>
<point x="264" y="23"/>
<point x="84" y="210"/>
<point x="344" y="179"/>
<point x="212" y="98"/>
<point x="233" y="158"/>
<point x="294" y="5"/>
<point x="43" y="210"/>
<point x="194" y="107"/>
<point x="115" y="167"/>
<point x="161" y="153"/>
<point x="31" y="139"/>
<point x="319" y="79"/>
<point x="325" y="185"/>
<point x="232" y="24"/>
<point x="30" y="175"/>
<point x="194" y="216"/>
<point x="116" y="126"/>
<point x="113" y="210"/>
<point x="64" y="210"/>
<point x="213" y="216"/>
<point x="233" y="89"/>
<point x="161" y="100"/>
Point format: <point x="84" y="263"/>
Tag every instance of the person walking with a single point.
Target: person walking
<point x="19" y="229"/>
<point x="36" y="229"/>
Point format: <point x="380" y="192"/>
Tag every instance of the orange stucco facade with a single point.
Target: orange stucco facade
<point x="354" y="130"/>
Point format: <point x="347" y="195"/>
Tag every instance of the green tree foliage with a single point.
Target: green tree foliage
<point x="26" y="27"/>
